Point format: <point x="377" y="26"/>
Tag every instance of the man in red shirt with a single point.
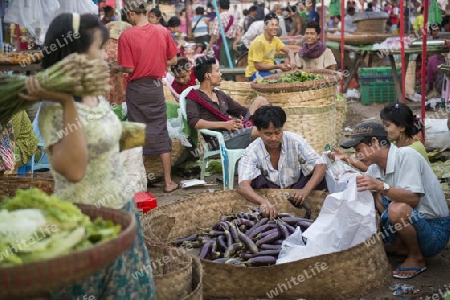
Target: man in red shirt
<point x="144" y="52"/>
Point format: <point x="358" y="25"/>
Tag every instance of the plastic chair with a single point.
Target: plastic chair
<point x="229" y="157"/>
<point x="43" y="160"/>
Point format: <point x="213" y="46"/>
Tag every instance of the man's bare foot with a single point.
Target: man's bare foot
<point x="172" y="186"/>
<point x="411" y="267"/>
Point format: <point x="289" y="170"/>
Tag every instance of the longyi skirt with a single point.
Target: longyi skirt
<point x="146" y="104"/>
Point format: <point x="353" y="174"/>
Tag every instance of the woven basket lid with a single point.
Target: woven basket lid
<point x="369" y="15"/>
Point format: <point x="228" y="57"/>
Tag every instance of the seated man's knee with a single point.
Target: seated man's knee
<point x="399" y="212"/>
<point x="261" y="101"/>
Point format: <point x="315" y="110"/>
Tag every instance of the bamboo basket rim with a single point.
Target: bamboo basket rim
<point x="9" y="183"/>
<point x="331" y="79"/>
<point x="40" y="276"/>
<point x="365" y="39"/>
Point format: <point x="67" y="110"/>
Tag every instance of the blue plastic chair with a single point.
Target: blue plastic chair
<point x="229" y="157"/>
<point x="43" y="160"/>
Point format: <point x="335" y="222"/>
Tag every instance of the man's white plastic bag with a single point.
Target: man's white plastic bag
<point x="336" y="182"/>
<point x="346" y="220"/>
<point x="175" y="128"/>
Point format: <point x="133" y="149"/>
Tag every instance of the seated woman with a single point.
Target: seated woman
<point x="401" y="127"/>
<point x="314" y="54"/>
<point x="209" y="108"/>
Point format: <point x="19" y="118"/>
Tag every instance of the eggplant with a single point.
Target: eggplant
<point x="214" y="233"/>
<point x="224" y="226"/>
<point x="268" y="238"/>
<point x="232" y="249"/>
<point x="193" y="244"/>
<point x="242" y="221"/>
<point x="226" y="260"/>
<point x="267" y="232"/>
<point x="304" y="224"/>
<point x="284" y="231"/>
<point x="268" y="253"/>
<point x="258" y="230"/>
<point x="257" y="225"/>
<point x="229" y="239"/>
<point x="290" y="228"/>
<point x="242" y="228"/>
<point x="247" y="256"/>
<point x="282" y="215"/>
<point x="261" y="261"/>
<point x="221" y="243"/>
<point x="277" y="242"/>
<point x="291" y="220"/>
<point x="189" y="238"/>
<point x="206" y="249"/>
<point x="234" y="233"/>
<point x="249" y="244"/>
<point x="270" y="247"/>
<point x="214" y="253"/>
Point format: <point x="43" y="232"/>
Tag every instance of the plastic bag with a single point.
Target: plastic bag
<point x="346" y="220"/>
<point x="79" y="6"/>
<point x="134" y="167"/>
<point x="175" y="128"/>
<point x="32" y="14"/>
<point x="335" y="182"/>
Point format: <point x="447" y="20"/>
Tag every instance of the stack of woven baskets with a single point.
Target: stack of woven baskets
<point x="311" y="107"/>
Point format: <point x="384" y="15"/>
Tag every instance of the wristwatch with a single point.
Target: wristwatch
<point x="386" y="188"/>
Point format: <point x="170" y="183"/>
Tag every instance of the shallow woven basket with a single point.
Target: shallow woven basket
<point x="197" y="280"/>
<point x="153" y="163"/>
<point x="317" y="125"/>
<point x="332" y="78"/>
<point x="370" y="25"/>
<point x="36" y="278"/>
<point x="172" y="271"/>
<point x="350" y="273"/>
<point x="241" y="92"/>
<point x="363" y="39"/>
<point x="308" y="98"/>
<point x="9" y="184"/>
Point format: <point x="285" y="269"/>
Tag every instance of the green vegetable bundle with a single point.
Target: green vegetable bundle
<point x="297" y="76"/>
<point x="74" y="75"/>
<point x="34" y="226"/>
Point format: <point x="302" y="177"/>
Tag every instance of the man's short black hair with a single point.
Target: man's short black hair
<point x="315" y="25"/>
<point x="203" y="64"/>
<point x="253" y="8"/>
<point x="350" y="9"/>
<point x="200" y="10"/>
<point x="270" y="16"/>
<point x="108" y="9"/>
<point x="224" y="4"/>
<point x="266" y="115"/>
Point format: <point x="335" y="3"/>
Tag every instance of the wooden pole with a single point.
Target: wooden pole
<point x="424" y="66"/>
<point x="342" y="44"/>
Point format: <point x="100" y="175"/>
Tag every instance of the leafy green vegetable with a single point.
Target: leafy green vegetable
<point x="297" y="76"/>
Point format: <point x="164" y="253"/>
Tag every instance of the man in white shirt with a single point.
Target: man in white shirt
<point x="406" y="192"/>
<point x="348" y="20"/>
<point x="278" y="159"/>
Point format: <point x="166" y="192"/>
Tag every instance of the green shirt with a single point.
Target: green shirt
<point x="419" y="147"/>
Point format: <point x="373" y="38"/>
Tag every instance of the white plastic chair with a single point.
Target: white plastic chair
<point x="229" y="157"/>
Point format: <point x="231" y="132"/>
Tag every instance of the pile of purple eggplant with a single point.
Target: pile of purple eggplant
<point x="245" y="239"/>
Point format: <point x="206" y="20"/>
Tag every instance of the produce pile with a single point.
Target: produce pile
<point x="35" y="226"/>
<point x="74" y="75"/>
<point x="245" y="239"/>
<point x="14" y="58"/>
<point x="297" y="76"/>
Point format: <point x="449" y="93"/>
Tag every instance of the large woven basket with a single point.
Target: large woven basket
<point x="355" y="40"/>
<point x="370" y="21"/>
<point x="172" y="271"/>
<point x="9" y="184"/>
<point x="153" y="163"/>
<point x="317" y="125"/>
<point x="241" y="92"/>
<point x="332" y="78"/>
<point x="33" y="279"/>
<point x="310" y="98"/>
<point x="350" y="273"/>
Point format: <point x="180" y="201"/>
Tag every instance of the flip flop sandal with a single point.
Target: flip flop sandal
<point x="416" y="269"/>
<point x="168" y="192"/>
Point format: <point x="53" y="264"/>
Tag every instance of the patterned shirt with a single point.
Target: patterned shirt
<point x="296" y="155"/>
<point x="225" y="19"/>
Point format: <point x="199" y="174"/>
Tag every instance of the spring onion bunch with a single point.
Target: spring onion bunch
<point x="74" y="75"/>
